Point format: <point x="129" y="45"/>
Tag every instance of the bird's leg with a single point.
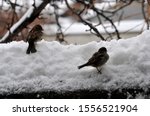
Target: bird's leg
<point x="99" y="70"/>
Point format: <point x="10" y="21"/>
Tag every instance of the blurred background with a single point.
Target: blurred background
<point x="81" y="21"/>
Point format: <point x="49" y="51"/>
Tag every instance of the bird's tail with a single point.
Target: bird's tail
<point x="31" y="48"/>
<point x="81" y="66"/>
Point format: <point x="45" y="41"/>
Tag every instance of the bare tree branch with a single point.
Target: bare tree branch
<point x="59" y="33"/>
<point x="24" y="21"/>
<point x="144" y="14"/>
<point x="97" y="33"/>
<point x="108" y="19"/>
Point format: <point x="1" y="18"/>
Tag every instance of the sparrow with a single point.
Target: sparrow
<point x="34" y="35"/>
<point x="97" y="60"/>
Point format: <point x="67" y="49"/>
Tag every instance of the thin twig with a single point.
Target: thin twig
<point x="97" y="33"/>
<point x="144" y="15"/>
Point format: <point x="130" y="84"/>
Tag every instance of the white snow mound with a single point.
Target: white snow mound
<point x="54" y="66"/>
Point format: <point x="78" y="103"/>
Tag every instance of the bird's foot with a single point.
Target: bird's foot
<point x="33" y="50"/>
<point x="99" y="70"/>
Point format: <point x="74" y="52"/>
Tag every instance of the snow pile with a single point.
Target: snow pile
<point x="54" y="66"/>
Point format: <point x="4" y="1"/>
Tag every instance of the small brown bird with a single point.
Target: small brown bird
<point x="34" y="35"/>
<point x="97" y="60"/>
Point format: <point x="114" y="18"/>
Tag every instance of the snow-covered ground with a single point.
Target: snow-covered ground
<point x="54" y="66"/>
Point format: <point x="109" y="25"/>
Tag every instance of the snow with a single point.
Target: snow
<point x="54" y="66"/>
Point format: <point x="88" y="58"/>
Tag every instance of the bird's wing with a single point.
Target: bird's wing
<point x="32" y="36"/>
<point x="96" y="57"/>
